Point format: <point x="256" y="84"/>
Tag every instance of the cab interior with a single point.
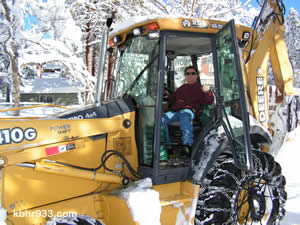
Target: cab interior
<point x="182" y="51"/>
<point x="146" y="67"/>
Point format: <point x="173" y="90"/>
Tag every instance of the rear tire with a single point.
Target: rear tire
<point x="231" y="196"/>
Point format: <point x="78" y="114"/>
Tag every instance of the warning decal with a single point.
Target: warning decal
<point x="59" y="149"/>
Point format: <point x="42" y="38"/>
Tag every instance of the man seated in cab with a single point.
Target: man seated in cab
<point x="185" y="103"/>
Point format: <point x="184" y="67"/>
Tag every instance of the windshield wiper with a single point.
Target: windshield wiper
<point x="140" y="75"/>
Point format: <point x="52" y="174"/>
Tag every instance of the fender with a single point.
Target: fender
<point x="213" y="139"/>
<point x="206" y="150"/>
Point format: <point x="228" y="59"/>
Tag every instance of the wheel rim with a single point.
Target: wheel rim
<point x="255" y="203"/>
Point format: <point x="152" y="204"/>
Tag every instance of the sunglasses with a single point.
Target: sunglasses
<point x="190" y="73"/>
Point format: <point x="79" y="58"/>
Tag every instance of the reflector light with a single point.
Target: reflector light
<point x="117" y="39"/>
<point x="246" y="35"/>
<point x="152" y="26"/>
<point x="154" y="35"/>
<point x="137" y="31"/>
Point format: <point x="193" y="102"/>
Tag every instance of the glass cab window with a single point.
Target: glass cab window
<point x="204" y="64"/>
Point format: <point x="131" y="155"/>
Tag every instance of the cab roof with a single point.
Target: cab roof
<point x="171" y="23"/>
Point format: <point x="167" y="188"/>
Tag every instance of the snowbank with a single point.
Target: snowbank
<point x="288" y="157"/>
<point x="3" y="215"/>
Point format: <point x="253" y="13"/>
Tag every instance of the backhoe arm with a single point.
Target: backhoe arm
<point x="267" y="45"/>
<point x="281" y="66"/>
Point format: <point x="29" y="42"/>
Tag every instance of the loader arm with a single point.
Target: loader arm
<point x="32" y="139"/>
<point x="67" y="155"/>
<point x="42" y="136"/>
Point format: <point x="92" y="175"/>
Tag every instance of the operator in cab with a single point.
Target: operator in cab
<point x="185" y="104"/>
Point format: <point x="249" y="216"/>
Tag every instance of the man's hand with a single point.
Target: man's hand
<point x="205" y="89"/>
<point x="166" y="92"/>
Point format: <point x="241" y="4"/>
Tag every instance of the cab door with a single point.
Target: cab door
<point x="230" y="95"/>
<point x="230" y="130"/>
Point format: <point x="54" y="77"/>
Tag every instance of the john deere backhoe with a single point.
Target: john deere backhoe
<point x="82" y="160"/>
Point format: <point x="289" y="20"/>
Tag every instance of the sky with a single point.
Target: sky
<point x="288" y="4"/>
<point x="292" y="4"/>
<point x="28" y="21"/>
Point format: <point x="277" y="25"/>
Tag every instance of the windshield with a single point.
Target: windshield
<point x="133" y="59"/>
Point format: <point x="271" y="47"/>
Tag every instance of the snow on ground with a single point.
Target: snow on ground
<point x="40" y="111"/>
<point x="50" y="82"/>
<point x="3" y="216"/>
<point x="288" y="157"/>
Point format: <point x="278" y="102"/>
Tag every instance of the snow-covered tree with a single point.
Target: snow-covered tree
<point x="292" y="36"/>
<point x="91" y="16"/>
<point x="217" y="9"/>
<point x="58" y="40"/>
<point x="4" y="81"/>
<point x="11" y="22"/>
<point x="51" y="37"/>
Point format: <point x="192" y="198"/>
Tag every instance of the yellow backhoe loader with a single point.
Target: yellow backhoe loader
<point x="107" y="163"/>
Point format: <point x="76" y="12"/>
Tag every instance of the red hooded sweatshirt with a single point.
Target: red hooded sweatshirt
<point x="190" y="96"/>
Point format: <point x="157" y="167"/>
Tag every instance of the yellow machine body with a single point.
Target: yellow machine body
<point x="64" y="191"/>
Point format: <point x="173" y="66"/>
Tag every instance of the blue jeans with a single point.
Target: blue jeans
<point x="185" y="117"/>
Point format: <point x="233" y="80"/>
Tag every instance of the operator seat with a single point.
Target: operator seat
<point x="200" y="121"/>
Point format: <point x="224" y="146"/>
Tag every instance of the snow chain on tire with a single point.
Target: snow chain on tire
<point x="78" y="220"/>
<point x="230" y="196"/>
